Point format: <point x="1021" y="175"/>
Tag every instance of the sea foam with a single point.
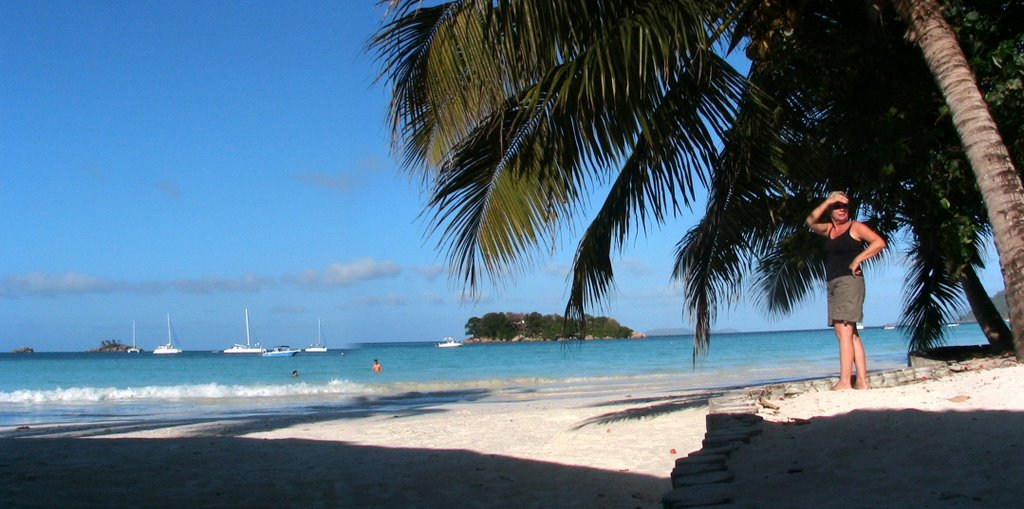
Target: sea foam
<point x="182" y="392"/>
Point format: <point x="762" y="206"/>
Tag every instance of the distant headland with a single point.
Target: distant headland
<point x="519" y="327"/>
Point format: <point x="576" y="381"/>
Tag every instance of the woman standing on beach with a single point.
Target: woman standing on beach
<point x="844" y="252"/>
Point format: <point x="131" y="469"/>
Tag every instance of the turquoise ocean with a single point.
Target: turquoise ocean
<point x="80" y="387"/>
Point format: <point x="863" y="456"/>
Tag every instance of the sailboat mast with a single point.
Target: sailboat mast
<point x="246" y="326"/>
<point x="319" y="333"/>
<point x="168" y="328"/>
<point x="133" y="333"/>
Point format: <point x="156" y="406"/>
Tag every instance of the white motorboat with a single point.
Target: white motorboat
<point x="319" y="346"/>
<point x="449" y="342"/>
<point x="170" y="347"/>
<point x="280" y="351"/>
<point x="248" y="347"/>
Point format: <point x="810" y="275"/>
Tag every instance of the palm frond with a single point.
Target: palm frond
<point x="674" y="150"/>
<point x="571" y="104"/>
<point x="932" y="298"/>
<point x="786" y="275"/>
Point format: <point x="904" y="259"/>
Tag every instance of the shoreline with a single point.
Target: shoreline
<point x="571" y="448"/>
<point x="561" y="448"/>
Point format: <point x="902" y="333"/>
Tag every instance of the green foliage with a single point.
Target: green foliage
<point x="513" y="111"/>
<point x="506" y="326"/>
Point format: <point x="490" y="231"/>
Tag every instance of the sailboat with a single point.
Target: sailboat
<point x="134" y="349"/>
<point x="248" y="347"/>
<point x="169" y="348"/>
<point x="319" y="346"/>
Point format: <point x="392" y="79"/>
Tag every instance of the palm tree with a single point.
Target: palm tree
<point x="512" y="111"/>
<point x="999" y="181"/>
<point x="865" y="121"/>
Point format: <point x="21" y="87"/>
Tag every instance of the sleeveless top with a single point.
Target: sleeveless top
<point x="839" y="254"/>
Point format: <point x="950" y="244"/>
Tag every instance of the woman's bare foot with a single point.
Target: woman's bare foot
<point x="862" y="387"/>
<point x="842" y="386"/>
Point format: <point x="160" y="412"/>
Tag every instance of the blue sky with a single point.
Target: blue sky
<point x="199" y="158"/>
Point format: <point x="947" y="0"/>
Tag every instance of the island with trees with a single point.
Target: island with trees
<point x="111" y="345"/>
<point x="508" y="326"/>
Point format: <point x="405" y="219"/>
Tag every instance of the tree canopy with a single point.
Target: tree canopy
<point x="513" y="111"/>
<point x="507" y="326"/>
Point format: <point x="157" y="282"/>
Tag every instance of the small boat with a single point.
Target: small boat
<point x="279" y="351"/>
<point x="247" y="347"/>
<point x="134" y="349"/>
<point x="889" y="327"/>
<point x="168" y="348"/>
<point x="953" y="324"/>
<point x="860" y="326"/>
<point x="449" y="342"/>
<point x="319" y="346"/>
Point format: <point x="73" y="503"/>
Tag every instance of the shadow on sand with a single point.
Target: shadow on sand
<point x="654" y="407"/>
<point x="214" y="467"/>
<point x="885" y="458"/>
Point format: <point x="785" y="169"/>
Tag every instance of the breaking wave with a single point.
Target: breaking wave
<point x="184" y="392"/>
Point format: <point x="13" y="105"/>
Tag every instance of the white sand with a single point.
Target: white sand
<point x="546" y="451"/>
<point x="956" y="442"/>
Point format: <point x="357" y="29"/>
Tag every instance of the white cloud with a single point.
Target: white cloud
<point x="431" y="272"/>
<point x="347" y="274"/>
<point x="39" y="283"/>
<point x="74" y="283"/>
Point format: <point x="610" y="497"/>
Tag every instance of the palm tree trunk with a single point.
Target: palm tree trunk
<point x="998" y="180"/>
<point x="985" y="312"/>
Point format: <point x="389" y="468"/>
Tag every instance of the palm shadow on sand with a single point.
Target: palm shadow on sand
<point x="233" y="472"/>
<point x="884" y="458"/>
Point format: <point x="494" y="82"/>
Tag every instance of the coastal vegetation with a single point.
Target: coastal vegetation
<point x="514" y="112"/>
<point x="535" y="326"/>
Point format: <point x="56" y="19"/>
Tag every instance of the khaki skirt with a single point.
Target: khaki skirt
<point x="846" y="300"/>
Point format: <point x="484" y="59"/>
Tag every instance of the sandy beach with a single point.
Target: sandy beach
<point x="561" y="450"/>
<point x="953" y="442"/>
